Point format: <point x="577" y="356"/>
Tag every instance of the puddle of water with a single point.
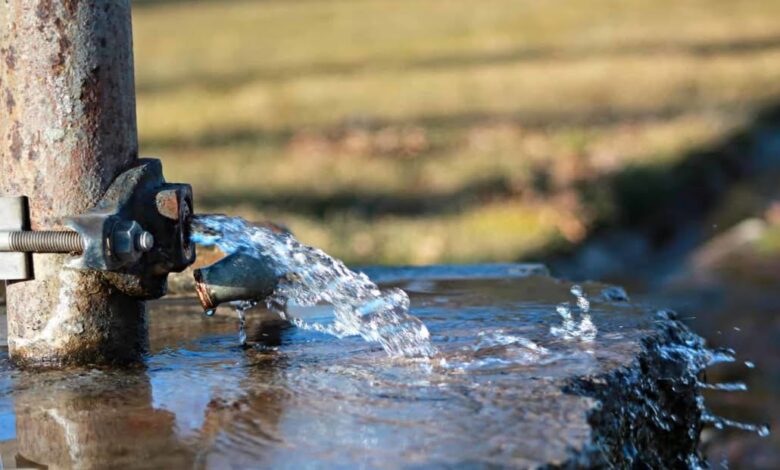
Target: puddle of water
<point x="491" y="395"/>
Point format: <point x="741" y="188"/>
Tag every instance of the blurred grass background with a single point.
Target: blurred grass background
<point x="408" y="131"/>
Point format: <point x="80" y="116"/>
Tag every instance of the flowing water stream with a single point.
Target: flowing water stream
<point x="309" y="277"/>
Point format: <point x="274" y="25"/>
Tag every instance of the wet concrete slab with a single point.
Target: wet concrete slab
<point x="501" y="391"/>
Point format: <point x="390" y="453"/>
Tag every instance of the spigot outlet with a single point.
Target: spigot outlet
<point x="235" y="277"/>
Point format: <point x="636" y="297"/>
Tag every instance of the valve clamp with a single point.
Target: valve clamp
<point x="137" y="234"/>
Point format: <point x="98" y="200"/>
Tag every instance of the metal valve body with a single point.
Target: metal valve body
<point x="110" y="239"/>
<point x="139" y="232"/>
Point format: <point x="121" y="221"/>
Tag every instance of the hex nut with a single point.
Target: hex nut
<point x="123" y="240"/>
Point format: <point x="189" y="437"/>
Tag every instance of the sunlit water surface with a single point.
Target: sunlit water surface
<point x="491" y="394"/>
<point x="506" y="344"/>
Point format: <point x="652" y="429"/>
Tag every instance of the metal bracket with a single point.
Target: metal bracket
<point x="14" y="266"/>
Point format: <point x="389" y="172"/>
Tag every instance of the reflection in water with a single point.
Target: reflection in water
<point x="171" y="414"/>
<point x="92" y="420"/>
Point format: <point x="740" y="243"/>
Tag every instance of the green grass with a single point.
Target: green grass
<point x="444" y="130"/>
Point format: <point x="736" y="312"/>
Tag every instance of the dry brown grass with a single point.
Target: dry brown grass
<point x="445" y="130"/>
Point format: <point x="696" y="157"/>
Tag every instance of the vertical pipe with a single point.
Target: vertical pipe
<point x="67" y="129"/>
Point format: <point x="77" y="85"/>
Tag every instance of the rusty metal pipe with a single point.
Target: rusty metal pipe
<point x="68" y="129"/>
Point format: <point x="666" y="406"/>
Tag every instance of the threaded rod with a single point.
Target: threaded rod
<point x="43" y="242"/>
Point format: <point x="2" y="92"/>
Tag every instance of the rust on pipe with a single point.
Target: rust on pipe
<point x="68" y="128"/>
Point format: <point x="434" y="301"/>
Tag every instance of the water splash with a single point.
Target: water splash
<point x="718" y="356"/>
<point x="585" y="330"/>
<point x="501" y="349"/>
<point x="309" y="277"/>
<point x="698" y="358"/>
<point x="724" y="387"/>
<point x="720" y="423"/>
<point x="502" y="338"/>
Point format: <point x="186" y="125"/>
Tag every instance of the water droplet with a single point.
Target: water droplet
<point x="210" y="312"/>
<point x="750" y="365"/>
<point x="241" y="309"/>
<point x="720" y="356"/>
<point x="721" y="423"/>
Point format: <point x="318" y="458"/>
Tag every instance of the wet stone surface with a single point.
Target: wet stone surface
<point x="501" y="390"/>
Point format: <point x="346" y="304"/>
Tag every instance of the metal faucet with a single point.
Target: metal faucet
<point x="235" y="277"/>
